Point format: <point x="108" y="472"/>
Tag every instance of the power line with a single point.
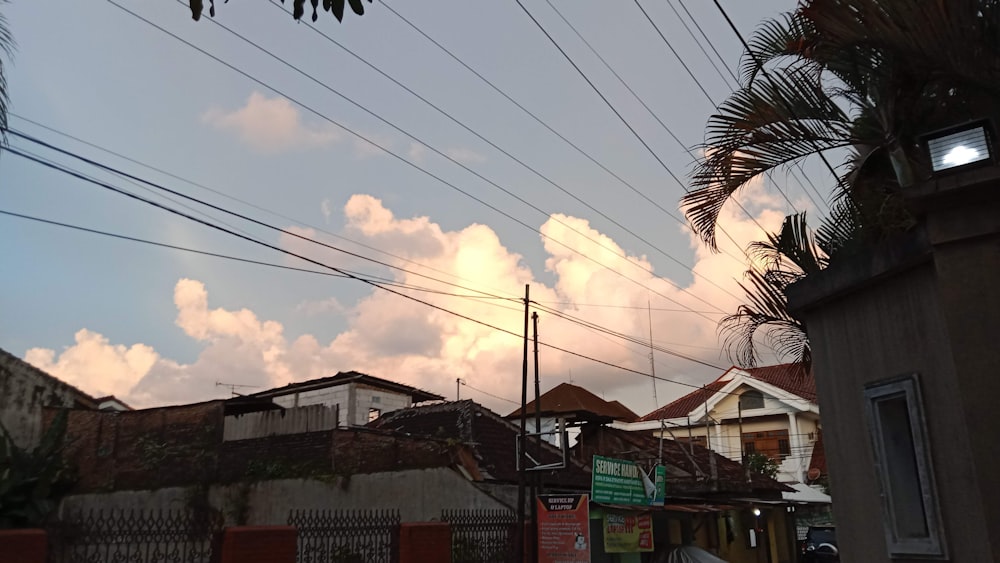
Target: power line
<point x="702" y="88"/>
<point x="736" y="82"/>
<point x="627" y="124"/>
<point x="248" y="203"/>
<point x="512" y="157"/>
<point x="407" y="162"/>
<point x="255" y="221"/>
<point x="487" y="393"/>
<point x="760" y="64"/>
<point x="381" y="280"/>
<point x="209" y="224"/>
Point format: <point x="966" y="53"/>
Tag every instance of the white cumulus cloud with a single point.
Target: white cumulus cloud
<point x="403" y="340"/>
<point x="270" y="125"/>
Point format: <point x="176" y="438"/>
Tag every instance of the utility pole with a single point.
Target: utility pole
<point x="652" y="372"/>
<point x="521" y="481"/>
<point x="536" y="481"/>
<point x="712" y="467"/>
<point x="458" y="389"/>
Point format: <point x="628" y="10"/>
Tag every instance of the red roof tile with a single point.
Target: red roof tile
<point x="566" y="398"/>
<point x="790" y="377"/>
<point x="787" y="377"/>
<point x="681" y="407"/>
<point x="818" y="459"/>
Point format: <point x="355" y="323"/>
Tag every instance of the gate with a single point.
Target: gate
<point x="481" y="536"/>
<point x="135" y="536"/>
<point x="346" y="536"/>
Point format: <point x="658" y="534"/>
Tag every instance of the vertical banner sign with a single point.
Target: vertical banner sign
<point x="563" y="529"/>
<point x="617" y="481"/>
<point x="627" y="532"/>
<point x="660" y="483"/>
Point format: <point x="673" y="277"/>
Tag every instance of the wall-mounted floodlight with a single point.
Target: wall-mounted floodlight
<point x="961" y="146"/>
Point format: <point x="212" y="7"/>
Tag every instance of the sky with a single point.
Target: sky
<point x="366" y="147"/>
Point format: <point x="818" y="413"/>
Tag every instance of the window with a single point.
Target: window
<point x="772" y="443"/>
<point x="752" y="399"/>
<point x="902" y="462"/>
<point x="374" y="413"/>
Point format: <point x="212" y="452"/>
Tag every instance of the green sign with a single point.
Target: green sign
<point x="618" y="481"/>
<point x="660" y="485"/>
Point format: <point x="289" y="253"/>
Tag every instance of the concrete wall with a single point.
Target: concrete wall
<point x="419" y="495"/>
<point x="24" y="391"/>
<point x="312" y="418"/>
<point x="895" y="326"/>
<point x="352" y="399"/>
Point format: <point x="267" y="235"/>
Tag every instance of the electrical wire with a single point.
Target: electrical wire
<point x="515" y="159"/>
<point x="487" y="393"/>
<point x="17" y="152"/>
<point x="407" y="162"/>
<point x="249" y="204"/>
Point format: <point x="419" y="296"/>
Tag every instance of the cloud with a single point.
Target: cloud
<point x="407" y="341"/>
<point x="325" y="208"/>
<point x="270" y="125"/>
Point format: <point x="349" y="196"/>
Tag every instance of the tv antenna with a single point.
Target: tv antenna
<point x="233" y="386"/>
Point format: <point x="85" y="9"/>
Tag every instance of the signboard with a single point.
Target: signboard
<point x="618" y="481"/>
<point x="628" y="532"/>
<point x="563" y="529"/>
<point x="659" y="486"/>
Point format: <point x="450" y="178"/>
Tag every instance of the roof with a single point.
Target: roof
<point x="787" y="377"/>
<point x="491" y="439"/>
<point x="569" y="399"/>
<point x="689" y="465"/>
<point x="345" y="377"/>
<point x="83" y="400"/>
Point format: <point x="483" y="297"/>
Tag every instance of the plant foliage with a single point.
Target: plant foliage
<point x="762" y="464"/>
<point x="33" y="481"/>
<point x="870" y="76"/>
<point x="335" y="7"/>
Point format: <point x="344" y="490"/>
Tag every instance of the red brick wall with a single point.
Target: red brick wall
<point x="22" y="546"/>
<point x="421" y="542"/>
<point x="143" y="449"/>
<point x="259" y="544"/>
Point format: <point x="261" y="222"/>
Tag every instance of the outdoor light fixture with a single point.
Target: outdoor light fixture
<point x="756" y="512"/>
<point x="959" y="147"/>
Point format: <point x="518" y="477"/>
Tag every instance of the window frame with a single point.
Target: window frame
<point x="757" y="393"/>
<point x="905" y="386"/>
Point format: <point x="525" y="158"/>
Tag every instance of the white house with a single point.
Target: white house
<point x="769" y="410"/>
<point x="358" y="397"/>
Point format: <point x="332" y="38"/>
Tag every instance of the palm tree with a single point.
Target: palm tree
<point x="863" y="76"/>
<point x="869" y="76"/>
<point x="6" y="50"/>
<point x="786" y="257"/>
<point x="336" y="7"/>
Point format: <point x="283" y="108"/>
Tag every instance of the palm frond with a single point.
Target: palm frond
<point x="759" y="128"/>
<point x="6" y="50"/>
<point x="765" y="312"/>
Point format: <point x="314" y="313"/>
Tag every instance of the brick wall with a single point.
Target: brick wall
<point x="145" y="449"/>
<point x="259" y="544"/>
<point x="421" y="542"/>
<point x="23" y="546"/>
<point x="293" y="455"/>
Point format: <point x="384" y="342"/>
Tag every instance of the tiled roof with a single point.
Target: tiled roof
<point x="345" y="377"/>
<point x="688" y="468"/>
<point x="787" y="377"/>
<point x="566" y="398"/>
<point x="790" y="377"/>
<point x="681" y="407"/>
<point x="492" y="439"/>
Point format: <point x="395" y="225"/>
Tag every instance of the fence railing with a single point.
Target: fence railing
<point x="134" y="536"/>
<point x="481" y="536"/>
<point x="346" y="536"/>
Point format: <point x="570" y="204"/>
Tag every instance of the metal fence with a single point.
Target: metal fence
<point x="134" y="536"/>
<point x="481" y="536"/>
<point x="346" y="536"/>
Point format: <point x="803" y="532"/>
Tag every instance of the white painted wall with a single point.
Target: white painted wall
<point x="351" y="413"/>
